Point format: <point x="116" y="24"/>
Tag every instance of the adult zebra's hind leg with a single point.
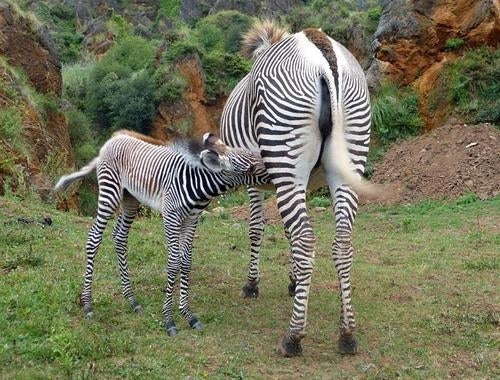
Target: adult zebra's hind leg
<point x="255" y="233"/>
<point x="128" y="213"/>
<point x="345" y="207"/>
<point x="109" y="198"/>
<point x="292" y="207"/>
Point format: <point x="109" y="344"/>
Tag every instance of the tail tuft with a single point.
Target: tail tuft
<point x="67" y="180"/>
<point x="260" y="37"/>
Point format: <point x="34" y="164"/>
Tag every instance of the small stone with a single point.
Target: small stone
<point x="319" y="209"/>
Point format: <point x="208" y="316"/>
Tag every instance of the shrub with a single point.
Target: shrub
<point x="133" y="52"/>
<point x="223" y="71"/>
<point x="395" y="114"/>
<point x="453" y="44"/>
<point x="170" y="85"/>
<point x="470" y="86"/>
<point x="75" y="79"/>
<point x="11" y="126"/>
<point x="82" y="136"/>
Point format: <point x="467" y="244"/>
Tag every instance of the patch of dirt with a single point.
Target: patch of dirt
<point x="445" y="163"/>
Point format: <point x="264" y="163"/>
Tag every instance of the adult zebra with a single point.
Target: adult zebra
<point x="305" y="105"/>
<point x="177" y="179"/>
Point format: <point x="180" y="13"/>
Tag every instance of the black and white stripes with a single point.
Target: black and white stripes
<point x="178" y="180"/>
<point x="304" y="104"/>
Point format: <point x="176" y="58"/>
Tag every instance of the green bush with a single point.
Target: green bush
<point x="395" y="114"/>
<point x="75" y="79"/>
<point x="133" y="52"/>
<point x="82" y="136"/>
<point x="121" y="89"/>
<point x="470" y="86"/>
<point x="453" y="44"/>
<point x="170" y="85"/>
<point x="222" y="31"/>
<point x="11" y="126"/>
<point x="223" y="71"/>
<point x="179" y="50"/>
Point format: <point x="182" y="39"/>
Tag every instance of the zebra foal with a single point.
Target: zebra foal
<point x="178" y="180"/>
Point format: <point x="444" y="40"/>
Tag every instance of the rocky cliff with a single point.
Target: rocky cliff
<point x="415" y="38"/>
<point x="31" y="88"/>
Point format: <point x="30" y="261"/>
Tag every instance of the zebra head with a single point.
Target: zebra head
<point x="218" y="157"/>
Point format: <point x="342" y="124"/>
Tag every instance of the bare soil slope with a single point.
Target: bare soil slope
<point x="445" y="163"/>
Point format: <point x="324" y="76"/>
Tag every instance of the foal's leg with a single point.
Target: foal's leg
<point x="172" y="223"/>
<point x="109" y="198"/>
<point x="129" y="208"/>
<point x="186" y="249"/>
<point x="255" y="233"/>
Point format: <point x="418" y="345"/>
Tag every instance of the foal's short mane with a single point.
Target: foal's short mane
<point x="139" y="136"/>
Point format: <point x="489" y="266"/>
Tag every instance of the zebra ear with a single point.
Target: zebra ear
<point x="213" y="161"/>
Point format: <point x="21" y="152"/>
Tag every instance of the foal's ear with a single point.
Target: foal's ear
<point x="213" y="161"/>
<point x="212" y="142"/>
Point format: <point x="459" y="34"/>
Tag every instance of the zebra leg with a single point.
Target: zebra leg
<point x="345" y="207"/>
<point x="105" y="209"/>
<point x="172" y="227"/>
<point x="292" y="274"/>
<point x="292" y="207"/>
<point x="255" y="233"/>
<point x="120" y="236"/>
<point x="186" y="249"/>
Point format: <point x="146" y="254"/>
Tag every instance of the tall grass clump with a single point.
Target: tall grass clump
<point x="470" y="87"/>
<point x="395" y="114"/>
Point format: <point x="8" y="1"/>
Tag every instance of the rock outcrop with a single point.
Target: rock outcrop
<point x="192" y="114"/>
<point x="410" y="44"/>
<point x="27" y="46"/>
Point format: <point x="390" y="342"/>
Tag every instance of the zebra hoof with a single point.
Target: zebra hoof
<point x="290" y="347"/>
<point x="250" y="291"/>
<point x="348" y="345"/>
<point x="87" y="312"/>
<point x="171" y="329"/>
<point x="195" y="324"/>
<point x="291" y="289"/>
<point x="136" y="307"/>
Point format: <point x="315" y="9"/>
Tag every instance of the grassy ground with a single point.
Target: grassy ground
<point x="426" y="297"/>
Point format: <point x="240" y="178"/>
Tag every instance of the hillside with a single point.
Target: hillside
<point x="73" y="72"/>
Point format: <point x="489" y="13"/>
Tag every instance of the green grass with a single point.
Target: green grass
<point x="425" y="295"/>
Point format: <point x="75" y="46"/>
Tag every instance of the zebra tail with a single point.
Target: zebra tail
<point x="342" y="162"/>
<point x="67" y="180"/>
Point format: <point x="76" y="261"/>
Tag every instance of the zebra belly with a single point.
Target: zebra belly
<point x="154" y="201"/>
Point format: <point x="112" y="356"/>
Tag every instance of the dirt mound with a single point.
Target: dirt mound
<point x="447" y="162"/>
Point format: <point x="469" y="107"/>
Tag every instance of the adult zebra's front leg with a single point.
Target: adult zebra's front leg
<point x="128" y="213"/>
<point x="255" y="234"/>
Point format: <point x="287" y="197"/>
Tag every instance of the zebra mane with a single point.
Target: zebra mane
<point x="139" y="136"/>
<point x="260" y="37"/>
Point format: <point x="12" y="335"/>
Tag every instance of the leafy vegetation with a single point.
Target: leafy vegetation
<point x="395" y="115"/>
<point x="425" y="277"/>
<point x="470" y="87"/>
